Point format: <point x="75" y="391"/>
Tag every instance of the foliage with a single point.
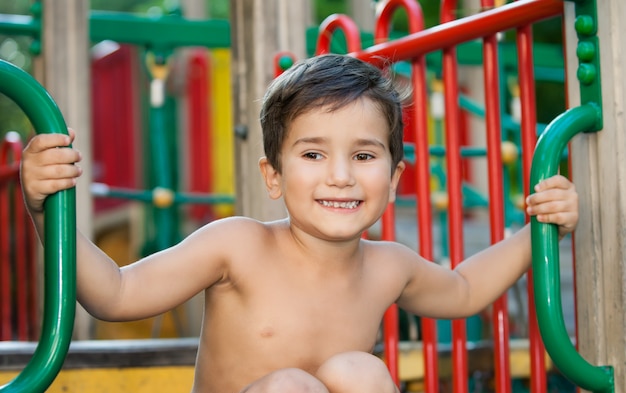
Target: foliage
<point x="14" y="50"/>
<point x="216" y="9"/>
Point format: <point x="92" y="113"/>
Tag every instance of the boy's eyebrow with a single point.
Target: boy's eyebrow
<point x="311" y="140"/>
<point x="371" y="142"/>
<point x="359" y="142"/>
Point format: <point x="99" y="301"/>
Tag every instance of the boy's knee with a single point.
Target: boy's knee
<point x="288" y="380"/>
<point x="356" y="372"/>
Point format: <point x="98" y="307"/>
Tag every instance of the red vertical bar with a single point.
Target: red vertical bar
<point x="455" y="208"/>
<point x="21" y="268"/>
<point x="199" y="115"/>
<point x="5" y="244"/>
<point x="500" y="319"/>
<point x="33" y="311"/>
<point x="422" y="172"/>
<point x="390" y="319"/>
<point x="424" y="213"/>
<point x="20" y="217"/>
<point x="529" y="137"/>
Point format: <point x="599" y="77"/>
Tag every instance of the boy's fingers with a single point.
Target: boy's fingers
<point x="556" y="181"/>
<point x="553" y="194"/>
<point x="47" y="141"/>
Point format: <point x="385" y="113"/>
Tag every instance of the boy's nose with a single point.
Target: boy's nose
<point x="340" y="173"/>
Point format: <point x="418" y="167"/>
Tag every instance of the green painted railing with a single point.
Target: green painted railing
<point x="545" y="251"/>
<point x="59" y="248"/>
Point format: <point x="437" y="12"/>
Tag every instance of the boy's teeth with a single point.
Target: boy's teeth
<point x="342" y="205"/>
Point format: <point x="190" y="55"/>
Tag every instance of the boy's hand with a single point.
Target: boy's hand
<point x="555" y="201"/>
<point x="47" y="166"/>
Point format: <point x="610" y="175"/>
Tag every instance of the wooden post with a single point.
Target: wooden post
<point x="259" y="30"/>
<point x="66" y="77"/>
<point x="599" y="173"/>
<point x="363" y="12"/>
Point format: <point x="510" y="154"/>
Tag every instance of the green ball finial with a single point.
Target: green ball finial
<point x="285" y="62"/>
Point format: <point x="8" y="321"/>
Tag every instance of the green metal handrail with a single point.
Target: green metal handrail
<point x="545" y="252"/>
<point x="59" y="243"/>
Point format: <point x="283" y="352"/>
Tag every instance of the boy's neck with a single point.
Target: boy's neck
<point x="336" y="253"/>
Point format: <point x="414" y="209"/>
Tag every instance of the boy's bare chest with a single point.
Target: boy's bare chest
<point x="268" y="319"/>
<point x="290" y="309"/>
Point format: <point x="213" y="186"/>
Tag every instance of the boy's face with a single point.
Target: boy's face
<point x="336" y="177"/>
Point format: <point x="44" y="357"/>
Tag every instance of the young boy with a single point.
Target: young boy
<point x="295" y="305"/>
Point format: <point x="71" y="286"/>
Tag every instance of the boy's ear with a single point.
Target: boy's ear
<point x="395" y="180"/>
<point x="271" y="178"/>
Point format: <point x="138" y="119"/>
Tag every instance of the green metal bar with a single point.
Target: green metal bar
<point x="101" y="190"/>
<point x="20" y="25"/>
<point x="545" y="253"/>
<point x="25" y="25"/>
<point x="59" y="243"/>
<point x="165" y="32"/>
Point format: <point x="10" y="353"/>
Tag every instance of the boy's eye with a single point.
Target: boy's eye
<point x="363" y="156"/>
<point x="312" y="156"/>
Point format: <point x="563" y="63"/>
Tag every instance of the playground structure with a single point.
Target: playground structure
<point x="584" y="119"/>
<point x="117" y="109"/>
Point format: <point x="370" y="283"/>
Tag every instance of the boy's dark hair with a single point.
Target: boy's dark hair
<point x="331" y="81"/>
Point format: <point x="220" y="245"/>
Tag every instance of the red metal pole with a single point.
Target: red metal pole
<point x="455" y="207"/>
<point x="453" y="32"/>
<point x="199" y="114"/>
<point x="444" y="37"/>
<point x="422" y="166"/>
<point x="22" y="282"/>
<point x="30" y="247"/>
<point x="529" y="137"/>
<point x="328" y="27"/>
<point x="390" y="319"/>
<point x="500" y="319"/>
<point x="8" y="175"/>
<point x="5" y="265"/>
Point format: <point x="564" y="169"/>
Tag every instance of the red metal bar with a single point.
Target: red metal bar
<point x="500" y="319"/>
<point x="115" y="120"/>
<point x="529" y="138"/>
<point x="23" y="281"/>
<point x="199" y="115"/>
<point x="422" y="166"/>
<point x="31" y="272"/>
<point x="518" y="15"/>
<point x="10" y="151"/>
<point x="390" y="319"/>
<point x="454" y="32"/>
<point x="453" y="182"/>
<point x="5" y="259"/>
<point x="328" y="27"/>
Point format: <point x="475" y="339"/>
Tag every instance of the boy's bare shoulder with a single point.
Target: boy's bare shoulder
<point x="381" y="249"/>
<point x="238" y="231"/>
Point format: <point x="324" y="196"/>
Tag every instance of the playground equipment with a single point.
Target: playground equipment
<point x="413" y="47"/>
<point x="60" y="243"/>
<point x="158" y="38"/>
<point x="17" y="243"/>
<point x="484" y="26"/>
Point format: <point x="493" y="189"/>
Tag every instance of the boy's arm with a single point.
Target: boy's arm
<point x="137" y="291"/>
<point x="438" y="292"/>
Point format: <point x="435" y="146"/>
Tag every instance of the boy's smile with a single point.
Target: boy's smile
<point x="336" y="177"/>
<point x="341" y="204"/>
